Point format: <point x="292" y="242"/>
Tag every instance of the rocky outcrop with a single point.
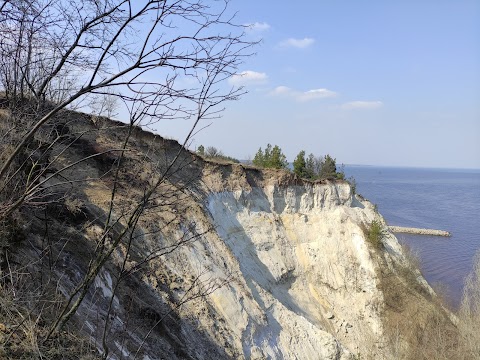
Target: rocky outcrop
<point x="303" y="255"/>
<point x="226" y="261"/>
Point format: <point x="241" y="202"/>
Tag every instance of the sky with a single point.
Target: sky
<point x="391" y="83"/>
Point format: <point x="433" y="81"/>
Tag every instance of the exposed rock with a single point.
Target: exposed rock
<point x="282" y="265"/>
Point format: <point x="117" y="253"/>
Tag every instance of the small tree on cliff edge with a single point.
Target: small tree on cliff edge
<point x="300" y="165"/>
<point x="272" y="157"/>
<point x="329" y="167"/>
<point x="258" y="159"/>
<point x="314" y="167"/>
<point x="278" y="160"/>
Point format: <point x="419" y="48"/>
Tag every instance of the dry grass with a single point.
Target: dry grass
<point x="28" y="305"/>
<point x="23" y="326"/>
<point x="469" y="314"/>
<point x="416" y="324"/>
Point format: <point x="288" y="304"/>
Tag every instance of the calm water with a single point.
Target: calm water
<point x="430" y="198"/>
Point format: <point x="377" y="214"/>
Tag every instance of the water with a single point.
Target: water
<point x="430" y="198"/>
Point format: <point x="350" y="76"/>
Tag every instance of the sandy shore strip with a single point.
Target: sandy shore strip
<point x="419" y="231"/>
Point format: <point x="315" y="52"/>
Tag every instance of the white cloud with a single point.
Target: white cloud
<point x="362" y="105"/>
<point x="316" y="94"/>
<point x="300" y="96"/>
<point x="258" y="26"/>
<point x="249" y="77"/>
<point x="281" y="90"/>
<point x="297" y="43"/>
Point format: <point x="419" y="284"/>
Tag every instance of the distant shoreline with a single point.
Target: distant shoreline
<point x="468" y="170"/>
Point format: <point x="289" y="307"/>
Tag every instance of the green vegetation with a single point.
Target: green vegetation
<point x="329" y="167"/>
<point x="374" y="233"/>
<point x="272" y="157"/>
<point x="311" y="167"/>
<point x="300" y="166"/>
<point x="316" y="167"/>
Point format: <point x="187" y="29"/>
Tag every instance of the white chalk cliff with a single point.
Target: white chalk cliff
<point x="302" y="282"/>
<point x="226" y="262"/>
<point x="308" y="282"/>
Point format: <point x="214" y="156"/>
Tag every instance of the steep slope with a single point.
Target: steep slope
<point x="225" y="261"/>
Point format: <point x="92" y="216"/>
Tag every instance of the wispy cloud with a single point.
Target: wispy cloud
<point x="316" y="94"/>
<point x="363" y="105"/>
<point x="248" y="77"/>
<point x="257" y="26"/>
<point x="302" y="96"/>
<point x="297" y="43"/>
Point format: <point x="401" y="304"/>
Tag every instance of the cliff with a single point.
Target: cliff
<point x="222" y="261"/>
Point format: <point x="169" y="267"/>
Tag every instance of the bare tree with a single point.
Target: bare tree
<point x="211" y="152"/>
<point x="170" y="54"/>
<point x="162" y="60"/>
<point x="171" y="57"/>
<point x="104" y="105"/>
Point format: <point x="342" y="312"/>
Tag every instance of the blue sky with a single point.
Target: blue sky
<point x="369" y="82"/>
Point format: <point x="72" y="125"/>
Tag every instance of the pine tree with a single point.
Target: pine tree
<point x="310" y="169"/>
<point x="329" y="167"/>
<point x="300" y="166"/>
<point x="277" y="159"/>
<point x="267" y="156"/>
<point x="271" y="157"/>
<point x="258" y="160"/>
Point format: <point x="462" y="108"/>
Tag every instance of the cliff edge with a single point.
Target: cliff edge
<point x="208" y="260"/>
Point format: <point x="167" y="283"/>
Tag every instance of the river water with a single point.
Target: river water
<point x="441" y="199"/>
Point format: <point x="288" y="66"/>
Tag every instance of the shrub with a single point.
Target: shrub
<point x="374" y="233"/>
<point x="353" y="184"/>
<point x="212" y="152"/>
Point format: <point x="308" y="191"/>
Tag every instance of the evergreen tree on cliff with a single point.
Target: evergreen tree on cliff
<point x="312" y="166"/>
<point x="258" y="159"/>
<point x="277" y="159"/>
<point x="300" y="165"/>
<point x="272" y="157"/>
<point x="329" y="167"/>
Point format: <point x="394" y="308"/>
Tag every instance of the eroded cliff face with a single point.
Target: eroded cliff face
<point x="303" y="256"/>
<point x="226" y="262"/>
<point x="301" y="282"/>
